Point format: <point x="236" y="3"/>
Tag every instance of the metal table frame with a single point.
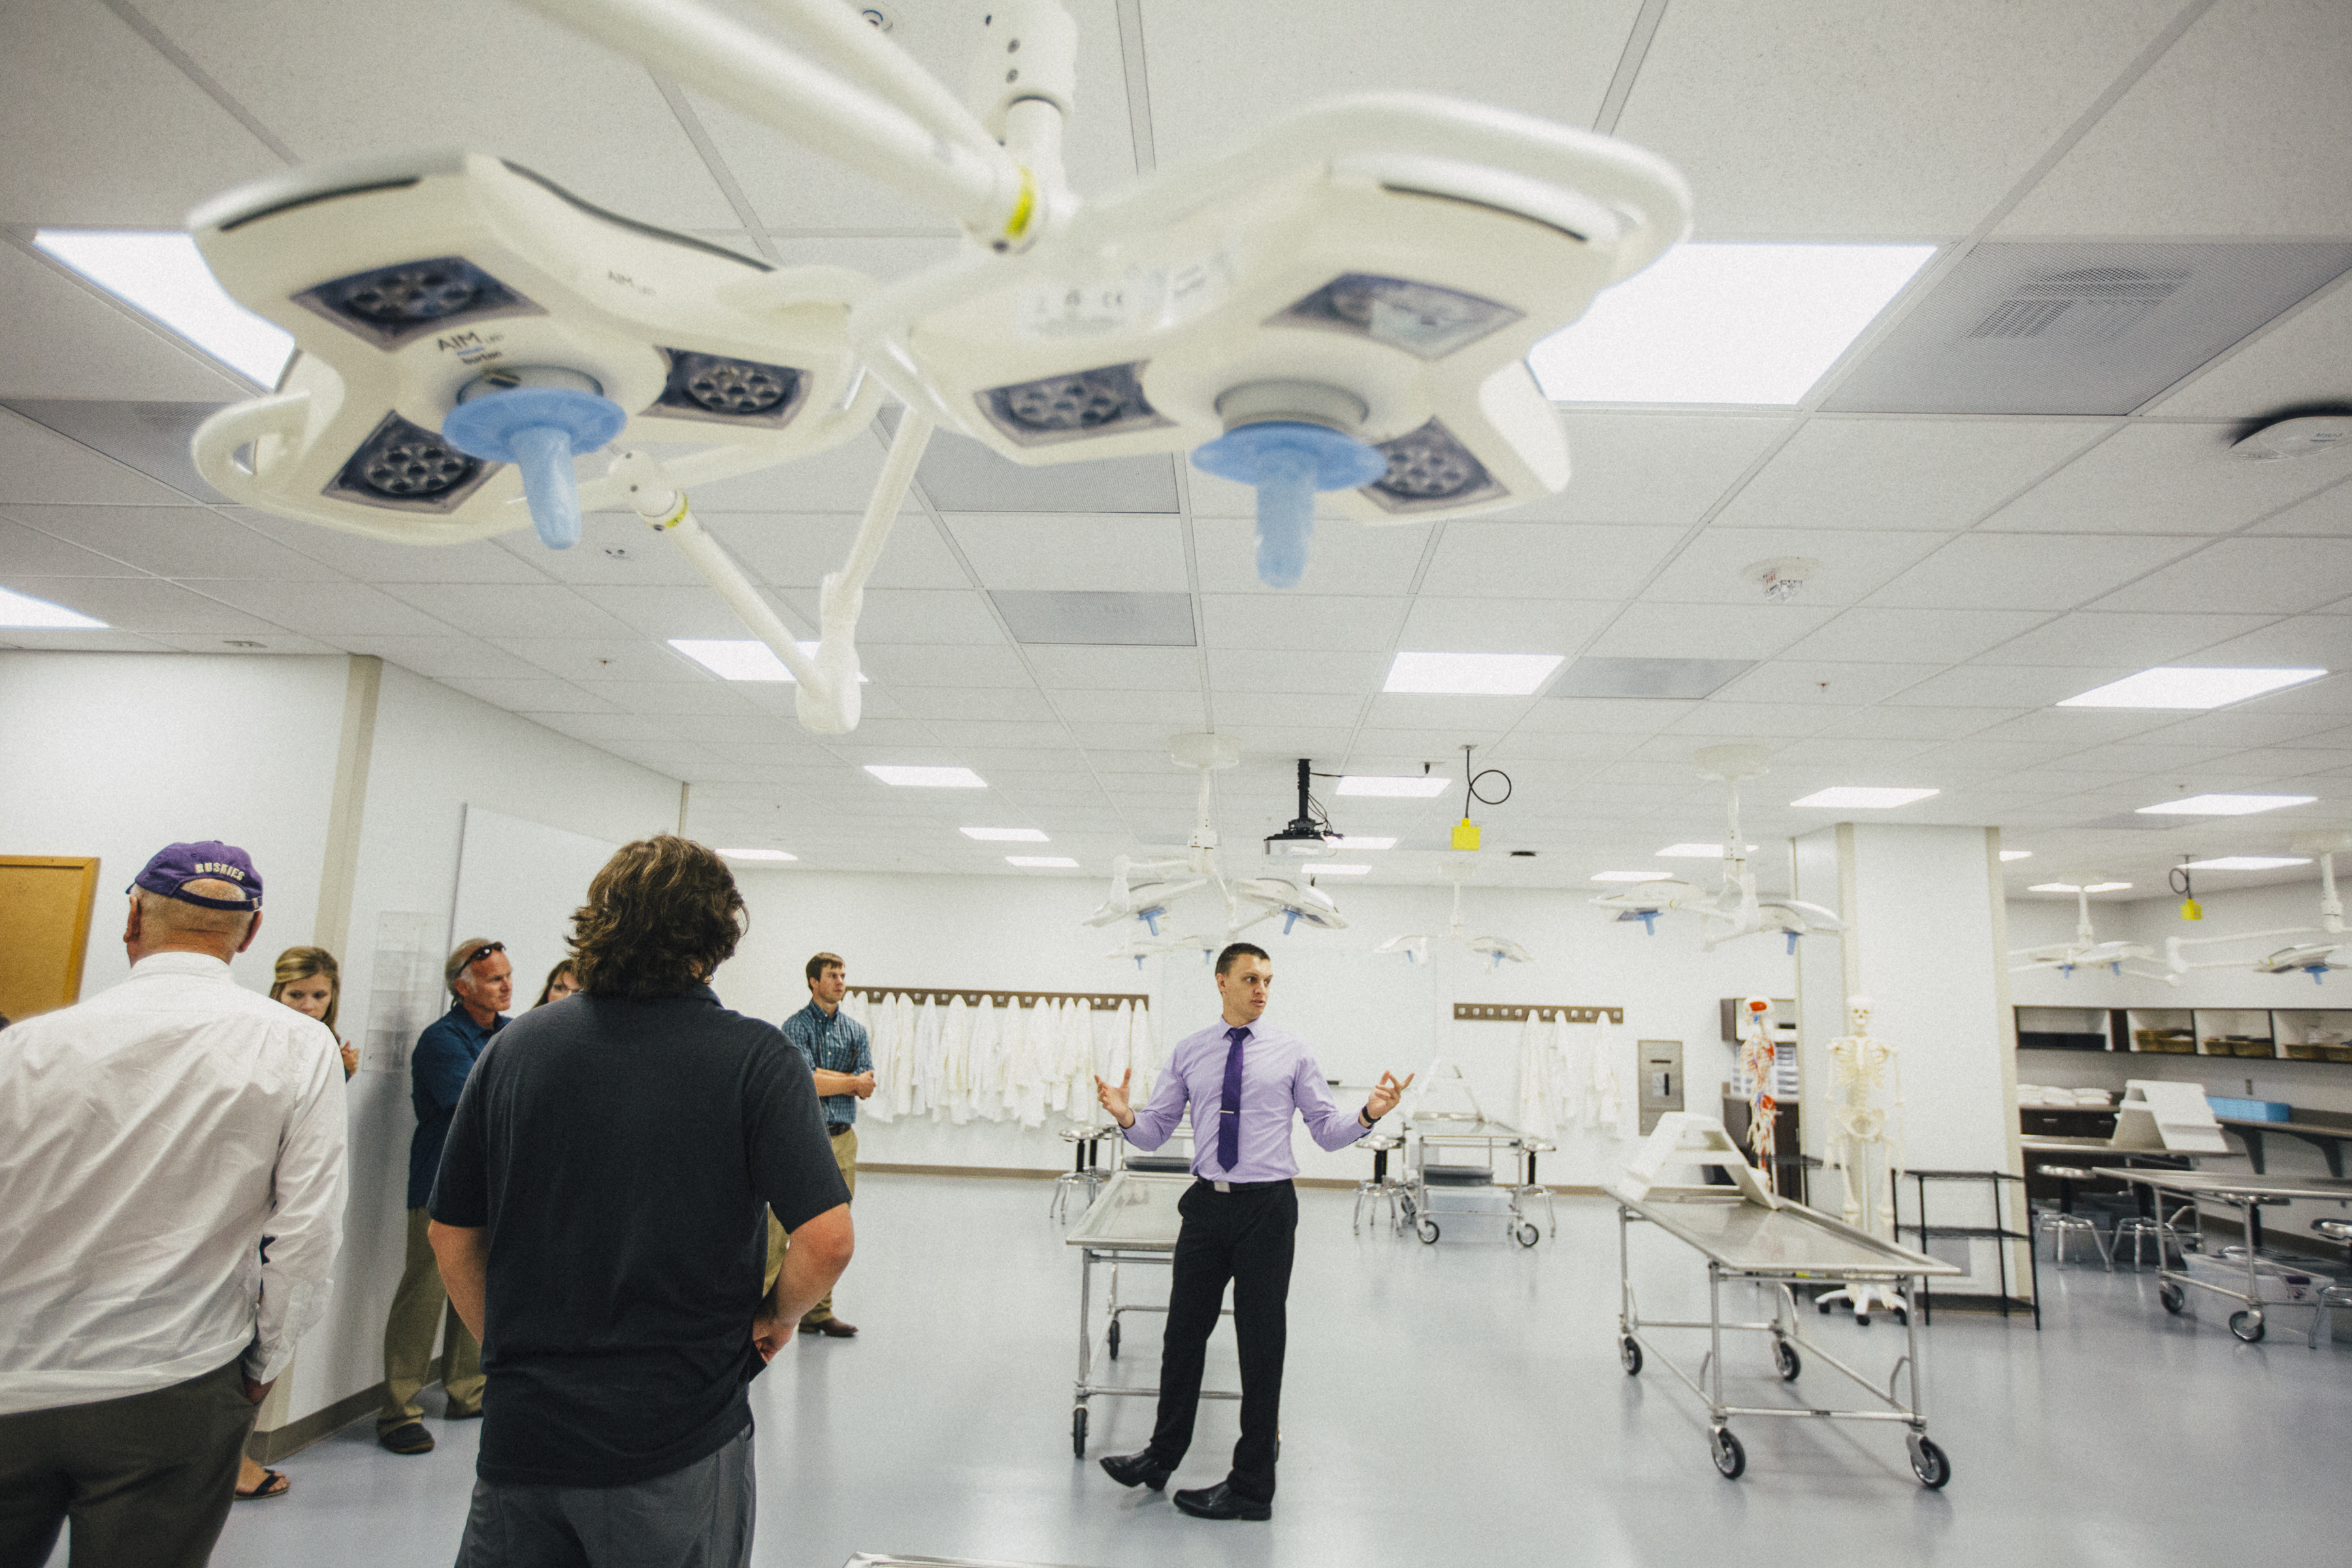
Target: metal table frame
<point x="2246" y="1194"/>
<point x="1928" y="1462"/>
<point x="1445" y="1129"/>
<point x="1100" y="1237"/>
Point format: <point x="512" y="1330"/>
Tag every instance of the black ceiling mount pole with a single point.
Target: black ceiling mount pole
<point x="1307" y="836"/>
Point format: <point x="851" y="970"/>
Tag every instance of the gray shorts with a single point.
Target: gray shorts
<point x="699" y="1517"/>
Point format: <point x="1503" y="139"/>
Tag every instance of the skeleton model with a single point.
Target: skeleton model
<point x="1755" y="1059"/>
<point x="1866" y="1146"/>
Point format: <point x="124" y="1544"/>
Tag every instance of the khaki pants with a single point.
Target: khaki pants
<point x="419" y="1309"/>
<point x="844" y="1154"/>
<point x="146" y="1478"/>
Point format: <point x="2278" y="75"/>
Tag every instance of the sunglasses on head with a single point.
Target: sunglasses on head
<point x="481" y="953"/>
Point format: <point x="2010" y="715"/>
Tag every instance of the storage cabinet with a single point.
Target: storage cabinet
<point x="2314" y="1034"/>
<point x="2064" y="1030"/>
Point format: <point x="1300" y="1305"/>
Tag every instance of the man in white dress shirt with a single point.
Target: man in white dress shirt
<point x="156" y="1136"/>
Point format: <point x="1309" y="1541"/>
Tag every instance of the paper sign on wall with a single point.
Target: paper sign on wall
<point x="406" y="992"/>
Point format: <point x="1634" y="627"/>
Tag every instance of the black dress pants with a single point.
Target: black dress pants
<point x="1246" y="1237"/>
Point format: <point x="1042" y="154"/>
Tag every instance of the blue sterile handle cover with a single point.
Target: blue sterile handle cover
<point x="540" y="429"/>
<point x="1288" y="461"/>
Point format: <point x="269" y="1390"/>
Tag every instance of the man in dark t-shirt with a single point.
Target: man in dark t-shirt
<point x="600" y="1220"/>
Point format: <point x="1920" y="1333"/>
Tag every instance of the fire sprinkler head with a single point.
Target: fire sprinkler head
<point x="1781" y="576"/>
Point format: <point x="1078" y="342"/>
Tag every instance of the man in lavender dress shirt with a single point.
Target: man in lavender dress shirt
<point x="1244" y="1080"/>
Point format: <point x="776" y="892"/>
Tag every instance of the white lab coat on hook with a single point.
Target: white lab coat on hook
<point x="1535" y="1080"/>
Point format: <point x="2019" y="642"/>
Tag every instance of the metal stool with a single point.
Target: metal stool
<point x="1083" y="1169"/>
<point x="1379" y="1187"/>
<point x="2064" y="1221"/>
<point x="1532" y="1188"/>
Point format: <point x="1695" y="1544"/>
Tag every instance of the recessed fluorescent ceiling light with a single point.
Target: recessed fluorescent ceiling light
<point x="2171" y="686"/>
<point x="161" y="276"/>
<point x="1723" y="323"/>
<point x="927" y="778"/>
<point x="2071" y="887"/>
<point x="1861" y="798"/>
<point x="2224" y="804"/>
<point x="1471" y="674"/>
<point x="24" y="610"/>
<point x="1630" y="875"/>
<point x="2246" y="863"/>
<point x="1424" y="788"/>
<point x="758" y="855"/>
<point x="1060" y="862"/>
<point x="1337" y="870"/>
<point x="1003" y="835"/>
<point x="1696" y="851"/>
<point x="2009" y="855"/>
<point x="1357" y="841"/>
<point x="741" y="659"/>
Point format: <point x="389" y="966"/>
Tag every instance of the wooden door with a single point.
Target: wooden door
<point x="45" y="904"/>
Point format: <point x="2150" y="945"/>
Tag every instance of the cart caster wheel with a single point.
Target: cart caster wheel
<point x="1730" y="1458"/>
<point x="1903" y="1316"/>
<point x="2173" y="1298"/>
<point x="1821" y="1305"/>
<point x="1862" y="1320"/>
<point x="1786" y="1361"/>
<point x="1078" y="1432"/>
<point x="2247" y="1326"/>
<point x="1113" y="1339"/>
<point x="1428" y="1232"/>
<point x="1929" y="1463"/>
<point x="1528" y="1235"/>
<point x="1629" y="1353"/>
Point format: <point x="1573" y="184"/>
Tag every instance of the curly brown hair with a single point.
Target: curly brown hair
<point x="662" y="914"/>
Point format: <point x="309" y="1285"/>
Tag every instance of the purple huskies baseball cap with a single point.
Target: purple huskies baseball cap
<point x="177" y="864"/>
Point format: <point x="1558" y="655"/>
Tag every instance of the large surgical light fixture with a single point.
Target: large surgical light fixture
<point x="1341" y="301"/>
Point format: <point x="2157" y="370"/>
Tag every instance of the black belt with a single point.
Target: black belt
<point x="835" y="1129"/>
<point x="1214" y="1185"/>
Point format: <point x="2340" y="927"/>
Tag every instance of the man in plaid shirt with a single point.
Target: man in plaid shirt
<point x="843" y="1066"/>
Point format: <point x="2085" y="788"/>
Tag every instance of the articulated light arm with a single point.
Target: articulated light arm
<point x="839" y="37"/>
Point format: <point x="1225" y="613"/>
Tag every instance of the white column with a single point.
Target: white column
<point x="1927" y="943"/>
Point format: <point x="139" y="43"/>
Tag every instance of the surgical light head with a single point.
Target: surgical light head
<point x="467" y="329"/>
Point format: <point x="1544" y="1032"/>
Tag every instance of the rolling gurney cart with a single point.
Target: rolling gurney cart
<point x="2245" y="1192"/>
<point x="1134" y="1222"/>
<point x="1746" y="1233"/>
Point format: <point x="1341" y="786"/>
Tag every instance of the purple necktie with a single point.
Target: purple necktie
<point x="1229" y="1120"/>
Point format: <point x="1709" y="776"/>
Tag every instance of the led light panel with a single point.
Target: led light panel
<point x="2071" y="887"/>
<point x="742" y="658"/>
<point x="2247" y="863"/>
<point x="2009" y="855"/>
<point x="1426" y="788"/>
<point x="22" y="610"/>
<point x="1471" y="674"/>
<point x="1861" y="798"/>
<point x="1052" y="862"/>
<point x="1723" y="323"/>
<point x="1003" y="835"/>
<point x="2224" y="804"/>
<point x="926" y="778"/>
<point x="758" y="855"/>
<point x="161" y="276"/>
<point x="2176" y="686"/>
<point x="1696" y="851"/>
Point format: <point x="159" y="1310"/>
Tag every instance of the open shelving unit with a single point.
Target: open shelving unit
<point x="2258" y="1033"/>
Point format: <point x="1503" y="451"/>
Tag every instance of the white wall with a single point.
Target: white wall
<point x="1364" y="1014"/>
<point x="116" y="755"/>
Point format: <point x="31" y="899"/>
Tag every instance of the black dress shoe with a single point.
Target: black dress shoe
<point x="1221" y="1502"/>
<point x="1135" y="1470"/>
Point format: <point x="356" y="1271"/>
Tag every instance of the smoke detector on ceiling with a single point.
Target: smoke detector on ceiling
<point x="2301" y="438"/>
<point x="1781" y="576"/>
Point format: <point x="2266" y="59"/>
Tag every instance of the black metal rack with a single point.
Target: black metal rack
<point x="1996" y="1232"/>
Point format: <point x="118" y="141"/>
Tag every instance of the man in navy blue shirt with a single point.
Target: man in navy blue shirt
<point x="841" y="1063"/>
<point x="481" y="979"/>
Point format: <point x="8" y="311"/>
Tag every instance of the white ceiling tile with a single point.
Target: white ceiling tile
<point x="151" y="605"/>
<point x="2328" y="512"/>
<point x="795" y="550"/>
<point x="1724" y="631"/>
<point x="2166" y="479"/>
<point x="1645" y="468"/>
<point x="1918" y="723"/>
<point x="1346" y="557"/>
<point x="2090" y="637"/>
<point x="1127" y="553"/>
<point x="1289" y="740"/>
<point x="329" y="610"/>
<point x="666" y="613"/>
<point x="249" y="645"/>
<point x="510" y="610"/>
<point x="1546" y="560"/>
<point x="35" y="553"/>
<point x="440" y="657"/>
<point x="2298" y="362"/>
<point x="61" y="339"/>
<point x="838" y="480"/>
<point x="2246" y="726"/>
<point x="1436" y="625"/>
<point x="2027" y="571"/>
<point x="2075" y="728"/>
<point x="594" y="661"/>
<point x="541" y="696"/>
<point x="2302" y="642"/>
<point x="1263" y="670"/>
<point x="970" y="702"/>
<point x="175" y="541"/>
<point x="1600" y="715"/>
<point x="1844" y="118"/>
<point x="1299" y="621"/>
<point x="382" y="562"/>
<point x="992" y="664"/>
<point x="2243" y="127"/>
<point x="614" y="547"/>
<point x="1222" y="67"/>
<point x="905" y="615"/>
<point x="1888" y="474"/>
<point x="1289" y="710"/>
<point x="1908" y="634"/>
<point x="1178" y="709"/>
<point x="665" y="700"/>
<point x="2004" y="685"/>
<point x="1000" y="734"/>
<point x="101" y="130"/>
<point x="1782" y="720"/>
<point x="1417" y="710"/>
<point x="37" y="465"/>
<point x="2279" y="576"/>
<point x="38" y="641"/>
<point x="1712" y="568"/>
<point x="335" y="81"/>
<point x="1816" y="682"/>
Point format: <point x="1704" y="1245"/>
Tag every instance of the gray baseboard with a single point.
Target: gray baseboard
<point x="267" y="1447"/>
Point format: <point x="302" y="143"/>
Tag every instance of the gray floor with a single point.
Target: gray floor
<point x="1450" y="1404"/>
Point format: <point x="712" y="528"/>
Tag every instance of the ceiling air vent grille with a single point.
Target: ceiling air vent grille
<point x="2090" y="305"/>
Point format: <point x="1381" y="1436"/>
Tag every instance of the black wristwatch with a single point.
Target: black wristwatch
<point x="1370" y="1121"/>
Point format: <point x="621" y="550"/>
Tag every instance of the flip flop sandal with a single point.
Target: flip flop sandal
<point x="273" y="1484"/>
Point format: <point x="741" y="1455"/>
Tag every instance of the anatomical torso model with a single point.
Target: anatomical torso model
<point x="1755" y="1060"/>
<point x="1866" y="1144"/>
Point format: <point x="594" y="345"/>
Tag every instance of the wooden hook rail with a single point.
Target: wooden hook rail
<point x="1516" y="1011"/>
<point x="1099" y="1001"/>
